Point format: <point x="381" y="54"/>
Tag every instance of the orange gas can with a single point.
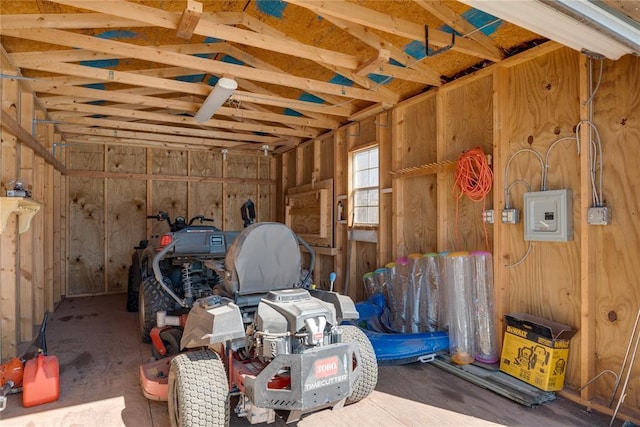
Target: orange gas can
<point x="41" y="382"/>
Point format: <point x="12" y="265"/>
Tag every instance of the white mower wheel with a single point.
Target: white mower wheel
<point x="198" y="390"/>
<point x="368" y="375"/>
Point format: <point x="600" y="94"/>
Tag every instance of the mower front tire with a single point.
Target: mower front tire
<point x="171" y="341"/>
<point x="152" y="299"/>
<point x="198" y="390"/>
<point x="366" y="364"/>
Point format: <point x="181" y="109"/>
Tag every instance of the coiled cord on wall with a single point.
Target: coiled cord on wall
<point x="473" y="178"/>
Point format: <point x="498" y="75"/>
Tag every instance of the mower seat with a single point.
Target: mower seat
<point x="263" y="257"/>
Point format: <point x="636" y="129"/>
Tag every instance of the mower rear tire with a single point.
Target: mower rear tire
<point x="367" y="378"/>
<point x="198" y="390"/>
<point x="152" y="299"/>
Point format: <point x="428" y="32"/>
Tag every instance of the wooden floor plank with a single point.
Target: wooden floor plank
<point x="98" y="346"/>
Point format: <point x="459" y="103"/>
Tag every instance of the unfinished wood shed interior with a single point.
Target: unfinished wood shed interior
<point x="98" y="104"/>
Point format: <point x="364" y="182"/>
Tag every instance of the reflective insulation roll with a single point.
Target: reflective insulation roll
<point x="381" y="276"/>
<point x="430" y="317"/>
<point x="400" y="307"/>
<point x="443" y="308"/>
<point x="459" y="276"/>
<point x="368" y="279"/>
<point x="486" y="342"/>
<point x="416" y="288"/>
<point x="395" y="295"/>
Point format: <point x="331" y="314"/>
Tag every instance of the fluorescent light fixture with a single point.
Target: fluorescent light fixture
<point x="583" y="25"/>
<point x="221" y="92"/>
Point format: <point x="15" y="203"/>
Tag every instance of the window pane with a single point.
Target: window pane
<point x="372" y="214"/>
<point x="373" y="158"/>
<point x="361" y="179"/>
<point x="373" y="177"/>
<point x="372" y="195"/>
<point x="360" y="198"/>
<point x="361" y="160"/>
<point x="360" y="215"/>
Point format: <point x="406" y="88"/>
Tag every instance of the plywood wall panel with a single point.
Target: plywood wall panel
<point x="415" y="200"/>
<point x="125" y="227"/>
<point x="125" y="159"/>
<point x="86" y="157"/>
<point x="86" y="235"/>
<point x="169" y="162"/>
<point x="205" y="163"/>
<point x="242" y="166"/>
<point x="169" y="197"/>
<point x="307" y="162"/>
<point x="263" y="203"/>
<point x="205" y="198"/>
<point x="616" y="269"/>
<point x="326" y="168"/>
<point x="544" y="107"/>
<point x="9" y="261"/>
<point x="237" y="194"/>
<point x="467" y="124"/>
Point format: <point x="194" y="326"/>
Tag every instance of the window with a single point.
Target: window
<point x="365" y="186"/>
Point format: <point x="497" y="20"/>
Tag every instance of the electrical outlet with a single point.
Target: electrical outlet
<point x="487" y="216"/>
<point x="599" y="215"/>
<point x="510" y="216"/>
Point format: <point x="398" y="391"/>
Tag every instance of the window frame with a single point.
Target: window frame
<point x="353" y="190"/>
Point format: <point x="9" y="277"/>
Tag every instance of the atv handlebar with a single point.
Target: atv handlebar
<point x="180" y="222"/>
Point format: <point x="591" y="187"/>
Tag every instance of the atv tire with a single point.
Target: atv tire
<point x="132" y="291"/>
<point x="171" y="340"/>
<point x="366" y="364"/>
<point x="152" y="299"/>
<point x="198" y="390"/>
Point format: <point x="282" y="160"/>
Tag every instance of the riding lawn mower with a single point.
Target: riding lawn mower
<point x="262" y="334"/>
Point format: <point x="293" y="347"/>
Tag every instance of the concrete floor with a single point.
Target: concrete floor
<point x="99" y="350"/>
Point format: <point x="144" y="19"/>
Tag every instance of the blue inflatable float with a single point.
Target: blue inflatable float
<point x="396" y="348"/>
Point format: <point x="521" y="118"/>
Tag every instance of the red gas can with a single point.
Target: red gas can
<point x="41" y="382"/>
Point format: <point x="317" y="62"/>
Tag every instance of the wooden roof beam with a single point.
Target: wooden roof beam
<point x="370" y="18"/>
<point x="210" y="28"/>
<point x="428" y="75"/>
<point x="203" y="64"/>
<point x="156" y="128"/>
<point x="372" y="65"/>
<point x="73" y="95"/>
<point x="183" y="120"/>
<point x="189" y="19"/>
<point x="459" y="24"/>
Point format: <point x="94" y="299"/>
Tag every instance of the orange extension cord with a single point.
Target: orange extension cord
<point x="474" y="178"/>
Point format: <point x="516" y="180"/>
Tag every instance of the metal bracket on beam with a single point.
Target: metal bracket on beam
<point x="438" y="51"/>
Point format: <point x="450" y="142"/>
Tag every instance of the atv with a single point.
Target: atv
<point x="179" y="255"/>
<point x="265" y="336"/>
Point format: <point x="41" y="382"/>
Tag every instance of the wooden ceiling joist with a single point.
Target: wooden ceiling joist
<point x="66" y="38"/>
<point x="184" y="120"/>
<point x="352" y="12"/>
<point x="172" y="130"/>
<point x="189" y="19"/>
<point x="209" y="28"/>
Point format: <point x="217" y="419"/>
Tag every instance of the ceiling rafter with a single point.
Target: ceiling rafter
<point x="390" y="24"/>
<point x="184" y="120"/>
<point x="172" y="58"/>
<point x="459" y="24"/>
<point x="73" y="94"/>
<point x="365" y="82"/>
<point x="210" y="28"/>
<point x="160" y="129"/>
<point x="361" y="33"/>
